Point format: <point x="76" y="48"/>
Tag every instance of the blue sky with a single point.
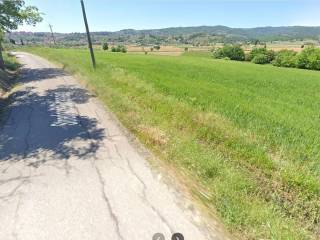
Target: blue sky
<point x="106" y="15"/>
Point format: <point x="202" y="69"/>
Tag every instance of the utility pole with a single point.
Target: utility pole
<point x="52" y="35"/>
<point x="88" y="34"/>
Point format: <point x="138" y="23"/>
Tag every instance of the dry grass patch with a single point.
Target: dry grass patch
<point x="153" y="135"/>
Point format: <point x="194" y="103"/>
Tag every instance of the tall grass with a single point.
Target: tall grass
<point x="247" y="134"/>
<point x="10" y="62"/>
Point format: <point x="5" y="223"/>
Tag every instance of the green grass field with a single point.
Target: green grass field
<point x="247" y="134"/>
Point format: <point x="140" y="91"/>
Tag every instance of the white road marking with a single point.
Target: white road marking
<point x="64" y="110"/>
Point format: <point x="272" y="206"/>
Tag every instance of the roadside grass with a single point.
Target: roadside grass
<point x="6" y="82"/>
<point x="247" y="134"/>
<point x="11" y="65"/>
<point x="10" y="62"/>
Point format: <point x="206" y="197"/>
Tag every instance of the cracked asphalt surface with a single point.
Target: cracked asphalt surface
<point x="68" y="171"/>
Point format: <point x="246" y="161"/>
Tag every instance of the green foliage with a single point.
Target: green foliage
<point x="285" y="58"/>
<point x="12" y="14"/>
<point x="15" y="13"/>
<point x="247" y="57"/>
<point x="10" y="62"/>
<point x="123" y="49"/>
<point x="233" y="52"/>
<point x="309" y="58"/>
<point x="157" y="47"/>
<point x="105" y="46"/>
<point x="260" y="59"/>
<point x="269" y="55"/>
<point x="119" y="48"/>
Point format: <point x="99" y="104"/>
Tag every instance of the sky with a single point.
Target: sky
<point x="107" y="15"/>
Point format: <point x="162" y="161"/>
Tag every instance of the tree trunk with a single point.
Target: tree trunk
<point x="1" y="58"/>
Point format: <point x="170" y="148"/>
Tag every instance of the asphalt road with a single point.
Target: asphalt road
<point x="68" y="171"/>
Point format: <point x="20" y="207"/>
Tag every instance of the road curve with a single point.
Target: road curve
<point x="68" y="171"/>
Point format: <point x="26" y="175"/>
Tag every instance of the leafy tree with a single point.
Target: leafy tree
<point x="105" y="46"/>
<point x="14" y="13"/>
<point x="119" y="48"/>
<point x="157" y="47"/>
<point x="260" y="59"/>
<point x="269" y="55"/>
<point x="309" y="58"/>
<point x="285" y="58"/>
<point x="233" y="52"/>
<point x="123" y="49"/>
<point x="256" y="42"/>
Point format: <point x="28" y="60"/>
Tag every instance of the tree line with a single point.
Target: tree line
<point x="308" y="58"/>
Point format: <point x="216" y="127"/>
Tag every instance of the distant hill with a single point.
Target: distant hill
<point x="202" y="35"/>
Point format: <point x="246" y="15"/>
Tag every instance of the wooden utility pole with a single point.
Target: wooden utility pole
<point x="52" y="35"/>
<point x="88" y="34"/>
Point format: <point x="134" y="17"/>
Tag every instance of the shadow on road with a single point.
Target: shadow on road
<point x="28" y="75"/>
<point x="48" y="127"/>
<point x="43" y="130"/>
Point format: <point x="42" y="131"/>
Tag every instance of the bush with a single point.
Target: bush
<point x="285" y="58"/>
<point x="10" y="62"/>
<point x="247" y="57"/>
<point x="260" y="59"/>
<point x="105" y="46"/>
<point x="269" y="54"/>
<point x="233" y="52"/>
<point x="157" y="47"/>
<point x="309" y="58"/>
<point x="119" y="48"/>
<point x="123" y="49"/>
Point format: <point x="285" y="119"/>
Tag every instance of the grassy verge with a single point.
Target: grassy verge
<point x="10" y="62"/>
<point x="6" y="76"/>
<point x="248" y="134"/>
<point x="11" y="65"/>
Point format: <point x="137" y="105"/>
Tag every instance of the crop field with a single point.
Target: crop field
<point x="246" y="135"/>
<point x="168" y="50"/>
